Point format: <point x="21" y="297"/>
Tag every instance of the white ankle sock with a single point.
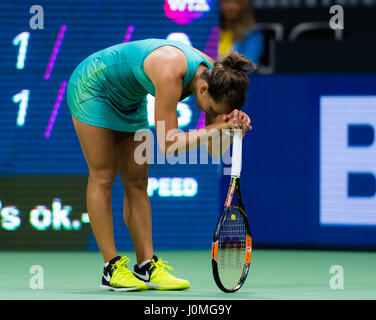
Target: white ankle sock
<point x="143" y="263"/>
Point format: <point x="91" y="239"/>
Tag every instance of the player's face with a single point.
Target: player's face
<point x="206" y="103"/>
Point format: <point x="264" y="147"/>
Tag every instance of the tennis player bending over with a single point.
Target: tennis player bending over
<point x="107" y="98"/>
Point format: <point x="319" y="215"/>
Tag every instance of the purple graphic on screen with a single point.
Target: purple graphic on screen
<point x="128" y="34"/>
<point x="185" y="11"/>
<point x="211" y="49"/>
<point x="201" y="121"/>
<point x="55" y="52"/>
<point x="55" y="109"/>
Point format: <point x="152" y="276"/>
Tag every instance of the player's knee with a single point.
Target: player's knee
<point x="138" y="182"/>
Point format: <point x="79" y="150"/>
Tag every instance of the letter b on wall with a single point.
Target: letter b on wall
<point x="348" y="160"/>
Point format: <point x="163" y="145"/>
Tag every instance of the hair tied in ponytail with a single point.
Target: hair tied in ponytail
<point x="238" y="62"/>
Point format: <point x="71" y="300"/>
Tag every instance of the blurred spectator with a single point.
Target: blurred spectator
<point x="237" y="22"/>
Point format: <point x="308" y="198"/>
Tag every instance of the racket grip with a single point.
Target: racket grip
<point x="236" y="154"/>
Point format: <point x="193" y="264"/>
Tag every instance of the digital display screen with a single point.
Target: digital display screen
<point x="309" y="172"/>
<point x="43" y="174"/>
<point x="348" y="160"/>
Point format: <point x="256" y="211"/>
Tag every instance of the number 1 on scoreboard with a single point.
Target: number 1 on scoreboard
<point x="21" y="40"/>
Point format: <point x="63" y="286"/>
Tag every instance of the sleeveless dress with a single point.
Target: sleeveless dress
<point x="109" y="88"/>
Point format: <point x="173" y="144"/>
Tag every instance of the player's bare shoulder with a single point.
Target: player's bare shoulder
<point x="165" y="62"/>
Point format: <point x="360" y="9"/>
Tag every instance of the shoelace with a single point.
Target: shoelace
<point x="121" y="265"/>
<point x="160" y="265"/>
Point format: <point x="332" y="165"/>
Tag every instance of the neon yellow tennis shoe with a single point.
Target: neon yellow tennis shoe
<point x="156" y="276"/>
<point x="116" y="276"/>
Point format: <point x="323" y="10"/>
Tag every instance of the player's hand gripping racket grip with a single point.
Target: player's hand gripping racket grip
<point x="236" y="166"/>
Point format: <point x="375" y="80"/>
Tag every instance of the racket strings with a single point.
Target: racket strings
<point x="232" y="247"/>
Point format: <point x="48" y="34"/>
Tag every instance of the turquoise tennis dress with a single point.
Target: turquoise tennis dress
<point x="109" y="88"/>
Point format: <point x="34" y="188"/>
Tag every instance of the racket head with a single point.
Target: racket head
<point x="231" y="249"/>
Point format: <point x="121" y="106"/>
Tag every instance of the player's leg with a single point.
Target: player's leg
<point x="137" y="214"/>
<point x="137" y="211"/>
<point x="98" y="147"/>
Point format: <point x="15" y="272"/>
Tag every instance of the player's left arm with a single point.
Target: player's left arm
<point x="218" y="144"/>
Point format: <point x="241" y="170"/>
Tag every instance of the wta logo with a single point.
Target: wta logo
<point x="185" y="11"/>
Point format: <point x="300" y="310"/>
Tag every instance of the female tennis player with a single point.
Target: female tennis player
<point x="107" y="98"/>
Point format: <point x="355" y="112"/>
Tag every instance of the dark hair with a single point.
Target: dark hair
<point x="228" y="79"/>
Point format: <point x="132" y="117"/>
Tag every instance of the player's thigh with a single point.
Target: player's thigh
<point x="98" y="148"/>
<point x="132" y="159"/>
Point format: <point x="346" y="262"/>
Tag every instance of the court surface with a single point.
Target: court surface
<point x="274" y="274"/>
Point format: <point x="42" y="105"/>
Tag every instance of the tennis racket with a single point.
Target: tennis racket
<point x="232" y="243"/>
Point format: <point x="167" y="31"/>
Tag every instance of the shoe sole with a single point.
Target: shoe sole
<point x="156" y="286"/>
<point x="104" y="287"/>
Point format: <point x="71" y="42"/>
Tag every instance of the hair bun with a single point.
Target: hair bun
<point x="237" y="62"/>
